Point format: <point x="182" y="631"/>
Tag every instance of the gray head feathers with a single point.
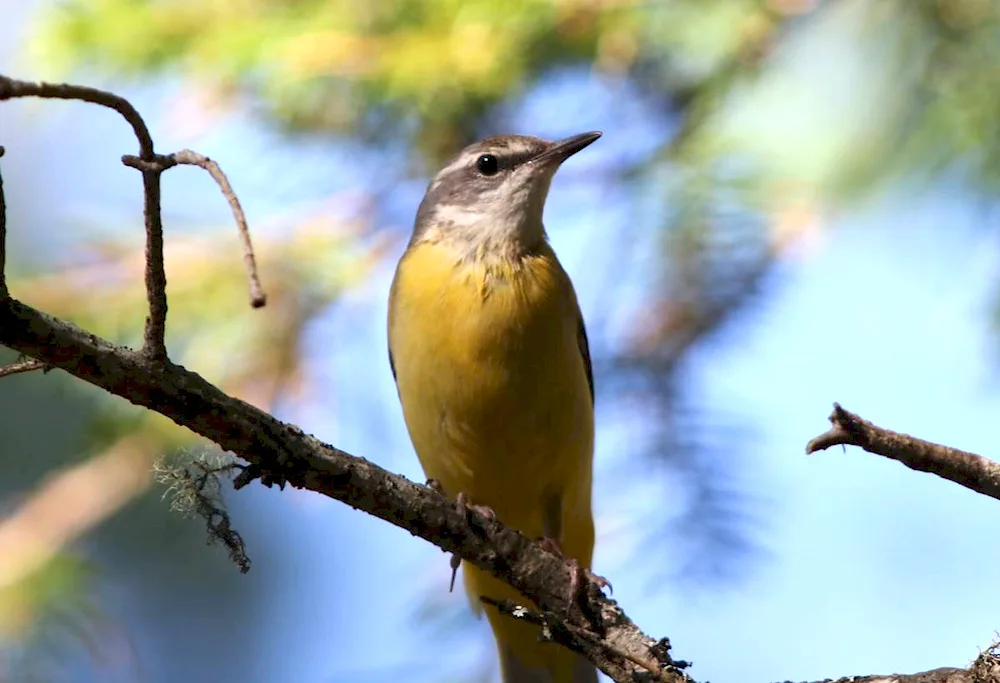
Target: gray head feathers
<point x="490" y="197"/>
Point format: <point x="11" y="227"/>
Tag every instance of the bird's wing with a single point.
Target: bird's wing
<point x="392" y="308"/>
<point x="581" y="339"/>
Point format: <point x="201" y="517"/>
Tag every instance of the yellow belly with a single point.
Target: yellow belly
<point x="495" y="395"/>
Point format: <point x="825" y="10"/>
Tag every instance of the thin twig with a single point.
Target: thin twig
<point x="11" y="88"/>
<point x="257" y="296"/>
<point x="191" y="158"/>
<point x="968" y="469"/>
<point x="154" y="344"/>
<point x="26" y="365"/>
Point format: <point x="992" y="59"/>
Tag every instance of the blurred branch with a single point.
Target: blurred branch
<point x="968" y="469"/>
<point x="278" y="452"/>
<point x="693" y="314"/>
<point x="69" y="503"/>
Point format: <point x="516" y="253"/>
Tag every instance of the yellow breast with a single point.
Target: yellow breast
<point x="496" y="398"/>
<point x="492" y="380"/>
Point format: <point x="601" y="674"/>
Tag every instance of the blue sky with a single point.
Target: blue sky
<point x="865" y="566"/>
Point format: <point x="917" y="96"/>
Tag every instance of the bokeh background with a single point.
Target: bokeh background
<point x="793" y="203"/>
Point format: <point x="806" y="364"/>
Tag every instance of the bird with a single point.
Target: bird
<point x="489" y="352"/>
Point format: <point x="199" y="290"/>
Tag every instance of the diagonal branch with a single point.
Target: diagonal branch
<point x="279" y="452"/>
<point x="968" y="469"/>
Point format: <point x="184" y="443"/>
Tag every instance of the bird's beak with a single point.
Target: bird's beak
<point x="564" y="149"/>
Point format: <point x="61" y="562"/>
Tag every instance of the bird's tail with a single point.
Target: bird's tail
<point x="524" y="658"/>
<point x="576" y="670"/>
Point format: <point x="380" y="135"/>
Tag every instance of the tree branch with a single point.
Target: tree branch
<point x="968" y="469"/>
<point x="280" y="452"/>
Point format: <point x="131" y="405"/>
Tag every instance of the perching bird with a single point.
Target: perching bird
<point x="489" y="352"/>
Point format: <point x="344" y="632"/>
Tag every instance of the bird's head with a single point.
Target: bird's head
<point x="489" y="199"/>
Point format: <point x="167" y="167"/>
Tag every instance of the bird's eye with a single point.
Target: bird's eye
<point x="487" y="164"/>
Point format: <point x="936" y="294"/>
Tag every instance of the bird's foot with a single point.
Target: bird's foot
<point x="462" y="503"/>
<point x="463" y="507"/>
<point x="578" y="573"/>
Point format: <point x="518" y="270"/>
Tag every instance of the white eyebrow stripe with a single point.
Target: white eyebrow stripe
<point x="519" y="148"/>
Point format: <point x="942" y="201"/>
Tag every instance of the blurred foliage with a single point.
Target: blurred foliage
<point x="255" y="354"/>
<point x="427" y="72"/>
<point x="750" y="166"/>
<point x="56" y="585"/>
<point x="55" y="610"/>
<point x="769" y="115"/>
<point x="401" y="70"/>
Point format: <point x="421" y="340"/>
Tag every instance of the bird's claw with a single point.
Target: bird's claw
<point x="578" y="573"/>
<point x="455" y="563"/>
<point x="463" y="507"/>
